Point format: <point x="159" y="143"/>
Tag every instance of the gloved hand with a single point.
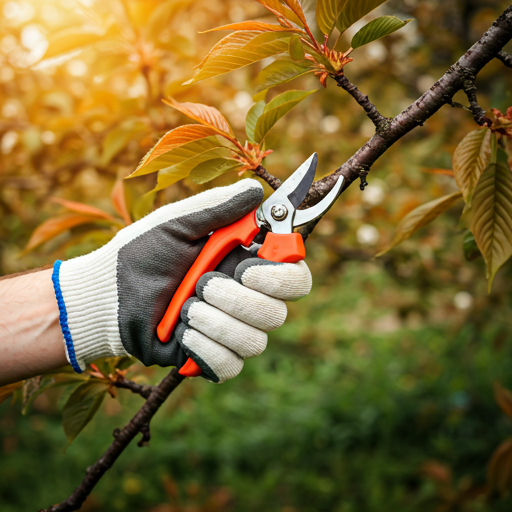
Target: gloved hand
<point x="112" y="300"/>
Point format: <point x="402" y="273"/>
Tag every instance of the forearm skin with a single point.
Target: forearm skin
<point x="31" y="341"/>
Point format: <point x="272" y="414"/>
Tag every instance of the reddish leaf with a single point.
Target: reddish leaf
<point x="82" y="208"/>
<point x="119" y="201"/>
<point x="254" y="25"/>
<point x="503" y="397"/>
<point x="499" y="472"/>
<point x="208" y="116"/>
<point x="55" y="226"/>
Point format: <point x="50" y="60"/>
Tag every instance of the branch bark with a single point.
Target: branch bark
<point x="441" y="93"/>
<point x="139" y="389"/>
<point x="375" y="116"/>
<point x="506" y="58"/>
<point x="139" y="423"/>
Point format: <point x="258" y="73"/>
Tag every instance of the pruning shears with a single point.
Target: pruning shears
<point x="279" y="215"/>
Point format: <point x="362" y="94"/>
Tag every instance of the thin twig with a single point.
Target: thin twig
<point x="139" y="423"/>
<point x="139" y="389"/>
<point x="469" y="87"/>
<point x="262" y="173"/>
<point x="375" y="116"/>
<point x="506" y="58"/>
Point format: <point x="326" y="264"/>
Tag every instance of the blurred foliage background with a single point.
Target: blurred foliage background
<point x="377" y="394"/>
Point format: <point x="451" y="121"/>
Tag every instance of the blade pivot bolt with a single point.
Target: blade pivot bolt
<point x="279" y="212"/>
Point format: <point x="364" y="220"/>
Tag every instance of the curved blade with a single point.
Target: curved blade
<point x="297" y="185"/>
<point x="304" y="216"/>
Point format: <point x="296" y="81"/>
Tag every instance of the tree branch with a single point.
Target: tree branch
<point x="506" y="58"/>
<point x="262" y="173"/>
<point x="375" y="116"/>
<point x="139" y="423"/>
<point x="441" y="93"/>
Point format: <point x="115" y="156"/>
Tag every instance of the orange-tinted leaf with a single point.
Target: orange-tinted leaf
<point x="119" y="201"/>
<point x="276" y="7"/>
<point x="55" y="226"/>
<point x="433" y="170"/>
<point x="82" y="208"/>
<point x="175" y="138"/>
<point x="295" y="6"/>
<point x="240" y="49"/>
<point x="503" y="397"/>
<point x="421" y="216"/>
<point x="8" y="390"/>
<point x="208" y="116"/>
<point x="254" y="25"/>
<point x="437" y="471"/>
<point x="499" y="472"/>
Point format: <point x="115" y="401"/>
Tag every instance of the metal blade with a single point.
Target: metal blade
<point x="297" y="185"/>
<point x="304" y="216"/>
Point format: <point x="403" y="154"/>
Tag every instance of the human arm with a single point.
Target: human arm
<point x="30" y="335"/>
<point x="111" y="300"/>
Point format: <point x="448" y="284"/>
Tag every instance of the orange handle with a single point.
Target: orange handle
<point x="287" y="248"/>
<point x="220" y="243"/>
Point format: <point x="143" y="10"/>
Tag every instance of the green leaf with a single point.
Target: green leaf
<point x="34" y="387"/>
<point x="75" y="38"/>
<point x="327" y="13"/>
<point x="281" y="71"/>
<point x="118" y="138"/>
<point x="179" y="171"/>
<point x="81" y="407"/>
<point x="421" y="216"/>
<point x="376" y="29"/>
<point x="295" y="48"/>
<point x="143" y="205"/>
<point x="177" y="155"/>
<point x="240" y="49"/>
<point x="354" y="10"/>
<point x="252" y="116"/>
<point x="491" y="217"/>
<point x="210" y="169"/>
<point x="275" y="109"/>
<point x="162" y="16"/>
<point x="469" y="246"/>
<point x="470" y="159"/>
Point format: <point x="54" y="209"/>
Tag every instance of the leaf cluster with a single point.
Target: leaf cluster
<point x="482" y="172"/>
<point x="297" y="40"/>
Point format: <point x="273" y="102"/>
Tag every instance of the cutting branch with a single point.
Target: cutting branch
<point x="388" y="131"/>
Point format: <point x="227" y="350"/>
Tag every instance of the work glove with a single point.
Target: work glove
<point x="112" y="299"/>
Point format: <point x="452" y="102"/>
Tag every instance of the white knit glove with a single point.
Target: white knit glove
<point x="112" y="300"/>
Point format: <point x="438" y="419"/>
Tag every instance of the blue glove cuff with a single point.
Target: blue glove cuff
<point x="63" y="318"/>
